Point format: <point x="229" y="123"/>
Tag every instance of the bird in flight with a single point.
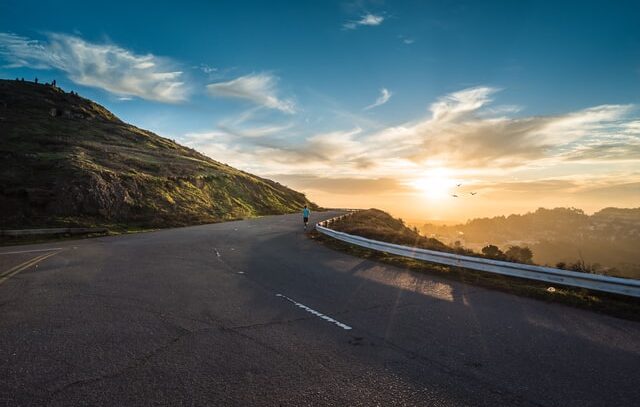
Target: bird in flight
<point x="458" y="185"/>
<point x="473" y="193"/>
<point x="454" y="195"/>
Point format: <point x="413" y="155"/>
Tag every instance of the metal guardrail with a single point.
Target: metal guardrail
<point x="52" y="231"/>
<point x="616" y="285"/>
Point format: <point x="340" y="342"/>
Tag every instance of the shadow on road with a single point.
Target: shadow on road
<point x="438" y="335"/>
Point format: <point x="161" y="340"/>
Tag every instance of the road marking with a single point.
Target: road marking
<point x="316" y="313"/>
<point x="33" y="251"/>
<point x="20" y="267"/>
<point x="14" y="268"/>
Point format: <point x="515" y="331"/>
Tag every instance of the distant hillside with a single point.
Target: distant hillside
<point x="379" y="225"/>
<point x="65" y="160"/>
<point x="609" y="238"/>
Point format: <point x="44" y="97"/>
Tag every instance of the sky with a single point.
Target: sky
<point x="439" y="110"/>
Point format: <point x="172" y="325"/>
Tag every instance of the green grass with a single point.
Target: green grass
<point x="611" y="304"/>
<point x="99" y="171"/>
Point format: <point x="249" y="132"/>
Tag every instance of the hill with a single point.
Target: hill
<point x="379" y="225"/>
<point x="67" y="161"/>
<point x="608" y="239"/>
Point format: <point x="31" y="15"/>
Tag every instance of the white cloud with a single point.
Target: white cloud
<point x="384" y="97"/>
<point x="103" y="66"/>
<point x="460" y="133"/>
<point x="365" y="20"/>
<point x="463" y="131"/>
<point x="206" y="68"/>
<point x="406" y="40"/>
<point x="260" y="89"/>
<point x="257" y="131"/>
<point x="456" y="105"/>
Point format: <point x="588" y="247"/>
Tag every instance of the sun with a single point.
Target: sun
<point x="437" y="184"/>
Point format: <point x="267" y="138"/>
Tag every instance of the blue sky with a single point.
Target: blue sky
<point x="379" y="95"/>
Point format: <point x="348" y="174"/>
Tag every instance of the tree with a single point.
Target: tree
<point x="520" y="254"/>
<point x="493" y="252"/>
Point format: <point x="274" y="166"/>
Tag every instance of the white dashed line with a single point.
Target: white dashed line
<point x="316" y="313"/>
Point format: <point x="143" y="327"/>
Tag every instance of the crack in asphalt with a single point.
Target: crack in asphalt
<point x="135" y="362"/>
<point x="272" y="323"/>
<point x="293" y="360"/>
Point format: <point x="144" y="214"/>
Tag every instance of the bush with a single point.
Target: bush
<point x="520" y="254"/>
<point x="493" y="252"/>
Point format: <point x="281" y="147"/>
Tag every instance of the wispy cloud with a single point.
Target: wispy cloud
<point x="260" y="88"/>
<point x="256" y="131"/>
<point x="365" y="20"/>
<point x="462" y="131"/>
<point x="460" y="134"/>
<point x="342" y="185"/>
<point x="406" y="40"/>
<point x="384" y="97"/>
<point x="105" y="66"/>
<point x="206" y="68"/>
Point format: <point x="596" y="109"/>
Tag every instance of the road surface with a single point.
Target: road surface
<point x="255" y="313"/>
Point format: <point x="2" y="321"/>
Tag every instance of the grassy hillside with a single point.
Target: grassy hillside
<point x="379" y="225"/>
<point x="66" y="161"/>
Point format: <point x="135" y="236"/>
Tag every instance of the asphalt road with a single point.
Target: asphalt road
<point x="255" y="313"/>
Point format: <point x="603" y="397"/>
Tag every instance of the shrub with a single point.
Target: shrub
<point x="519" y="254"/>
<point x="493" y="252"/>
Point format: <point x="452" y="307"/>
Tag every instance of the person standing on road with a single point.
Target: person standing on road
<point x="305" y="216"/>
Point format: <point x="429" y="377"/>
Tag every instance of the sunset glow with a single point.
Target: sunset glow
<point x="436" y="185"/>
